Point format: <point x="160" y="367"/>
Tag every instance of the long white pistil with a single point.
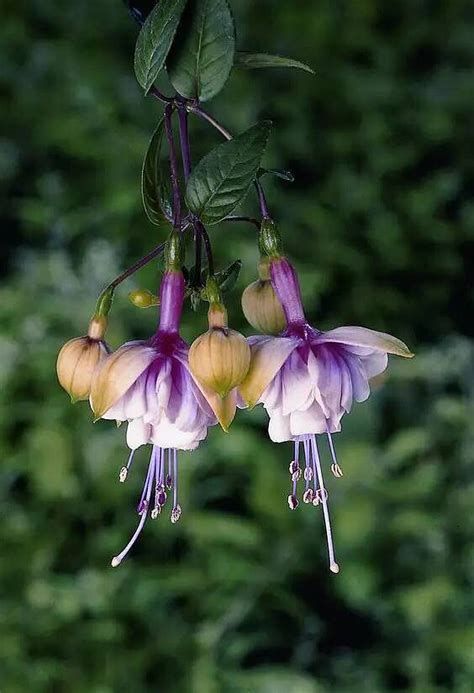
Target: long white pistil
<point x="145" y="504"/>
<point x="333" y="566"/>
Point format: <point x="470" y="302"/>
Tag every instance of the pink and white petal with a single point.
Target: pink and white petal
<point x="346" y="385"/>
<point x="319" y="379"/>
<point x="116" y="412"/>
<point x="167" y="435"/>
<point x="117" y="373"/>
<point x="329" y="382"/>
<point x="267" y="357"/>
<point x="360" y="383"/>
<point x="138" y="433"/>
<point x="163" y="386"/>
<point x="312" y="420"/>
<point x="279" y="427"/>
<point x="271" y="397"/>
<point x="296" y="383"/>
<point x="364" y="337"/>
<point x="374" y="364"/>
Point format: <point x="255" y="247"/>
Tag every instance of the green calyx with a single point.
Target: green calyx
<point x="269" y="239"/>
<point x="174" y="252"/>
<point x="104" y="302"/>
<point x="213" y="292"/>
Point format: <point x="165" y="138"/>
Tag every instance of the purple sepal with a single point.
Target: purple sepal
<point x="171" y="301"/>
<point x="287" y="288"/>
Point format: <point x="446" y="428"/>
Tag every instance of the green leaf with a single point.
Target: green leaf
<point x="154" y="190"/>
<point x="203" y="52"/>
<point x="278" y="173"/>
<point x="155" y="39"/>
<point x="227" y="278"/>
<point x="252" y="61"/>
<point x="223" y="177"/>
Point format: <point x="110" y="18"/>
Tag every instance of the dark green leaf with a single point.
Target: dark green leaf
<point x="279" y="173"/>
<point x="203" y="52"/>
<point x="223" y="177"/>
<point x="155" y="39"/>
<point x="228" y="277"/>
<point x="154" y="191"/>
<point x="252" y="61"/>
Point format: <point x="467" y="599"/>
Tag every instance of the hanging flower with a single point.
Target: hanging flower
<point x="307" y="380"/>
<point x="148" y="384"/>
<point x="79" y="357"/>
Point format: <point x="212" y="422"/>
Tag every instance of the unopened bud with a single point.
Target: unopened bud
<point x="220" y="358"/>
<point x="79" y="358"/>
<point x="142" y="298"/>
<point x="262" y="308"/>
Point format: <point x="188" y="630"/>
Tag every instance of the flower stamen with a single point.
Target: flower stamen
<point x="142" y="510"/>
<point x="335" y="468"/>
<point x="176" y="510"/>
<point x="124" y="471"/>
<point x="323" y="496"/>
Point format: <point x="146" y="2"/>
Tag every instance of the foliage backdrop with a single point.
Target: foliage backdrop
<point x="237" y="596"/>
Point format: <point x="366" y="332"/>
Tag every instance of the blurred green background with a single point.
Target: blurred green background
<point x="237" y="596"/>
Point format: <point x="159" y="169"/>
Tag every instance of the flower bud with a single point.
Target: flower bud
<point x="79" y="358"/>
<point x="220" y="358"/>
<point x="142" y="298"/>
<point x="260" y="305"/>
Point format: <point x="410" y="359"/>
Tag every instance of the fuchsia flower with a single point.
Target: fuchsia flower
<point x="148" y="384"/>
<point x="307" y="380"/>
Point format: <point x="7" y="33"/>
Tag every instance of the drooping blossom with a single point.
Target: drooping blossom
<point x="149" y="385"/>
<point x="79" y="357"/>
<point x="307" y="380"/>
<point x="219" y="360"/>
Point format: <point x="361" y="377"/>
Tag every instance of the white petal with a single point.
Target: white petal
<point x="312" y="420"/>
<point x="279" y="427"/>
<point x="375" y="364"/>
<point x="268" y="354"/>
<point x="360" y="383"/>
<point x="138" y="433"/>
<point x="296" y="383"/>
<point x="167" y="435"/>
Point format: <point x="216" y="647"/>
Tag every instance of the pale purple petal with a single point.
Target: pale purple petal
<point x="279" y="427"/>
<point x="296" y="383"/>
<point x="363" y="337"/>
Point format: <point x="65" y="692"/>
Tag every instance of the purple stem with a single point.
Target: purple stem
<point x="207" y="245"/>
<point x="174" y="168"/>
<point x="184" y="140"/>
<point x="135" y="267"/>
<point x="158" y="95"/>
<point x="250" y="220"/>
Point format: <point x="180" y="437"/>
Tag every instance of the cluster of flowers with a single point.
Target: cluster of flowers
<point x="170" y="394"/>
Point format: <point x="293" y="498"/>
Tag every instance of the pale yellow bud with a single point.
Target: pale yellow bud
<point x="262" y="308"/>
<point x="79" y="358"/>
<point x="220" y="358"/>
<point x="76" y="363"/>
